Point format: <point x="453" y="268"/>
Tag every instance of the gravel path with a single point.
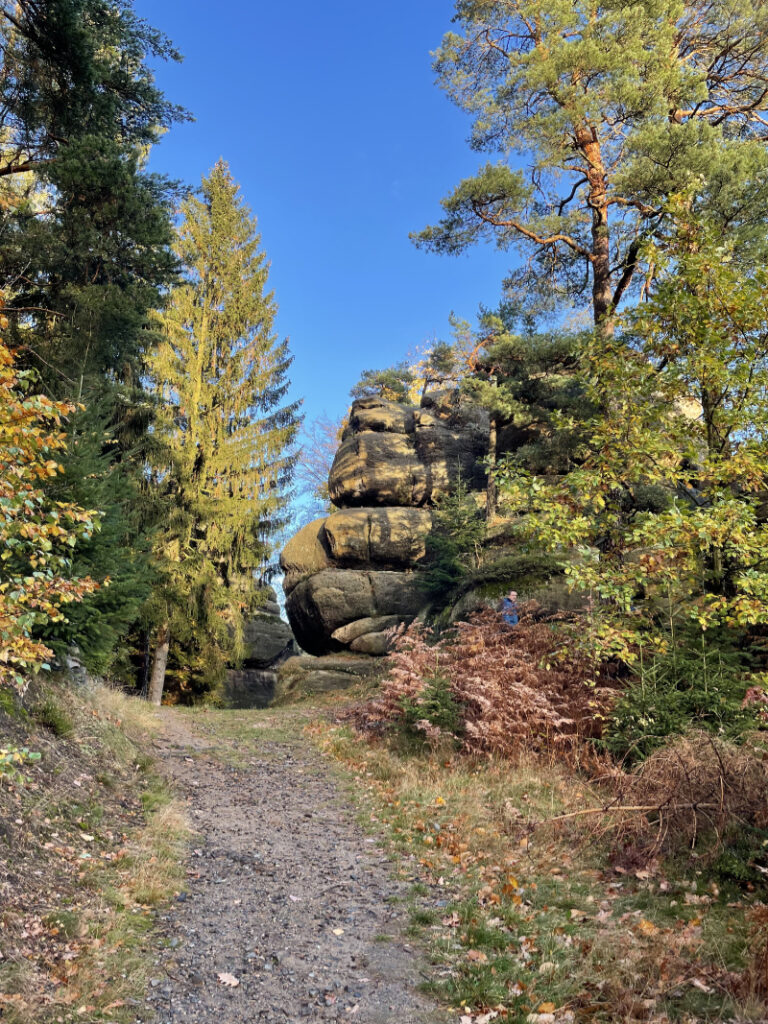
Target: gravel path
<point x="286" y="895"/>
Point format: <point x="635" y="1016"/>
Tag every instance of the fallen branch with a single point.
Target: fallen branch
<point x="628" y="808"/>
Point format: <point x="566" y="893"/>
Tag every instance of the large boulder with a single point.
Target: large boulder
<point x="250" y="687"/>
<point x="377" y="469"/>
<point x="319" y="605"/>
<point x="372" y="643"/>
<point x="372" y="624"/>
<point x="379" y="414"/>
<point x="391" y="538"/>
<point x="268" y="640"/>
<point x="306" y="552"/>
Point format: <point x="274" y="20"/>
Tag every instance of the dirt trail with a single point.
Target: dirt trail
<point x="285" y="893"/>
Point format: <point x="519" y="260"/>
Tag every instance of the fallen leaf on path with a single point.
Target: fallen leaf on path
<point x="338" y="931"/>
<point x="228" y="979"/>
<point x="647" y="927"/>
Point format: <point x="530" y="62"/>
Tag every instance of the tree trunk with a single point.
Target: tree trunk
<point x="602" y="291"/>
<point x="157" y="680"/>
<point x="490" y="503"/>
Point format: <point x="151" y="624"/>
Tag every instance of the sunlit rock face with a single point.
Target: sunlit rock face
<point x="399" y="455"/>
<point x="349" y="578"/>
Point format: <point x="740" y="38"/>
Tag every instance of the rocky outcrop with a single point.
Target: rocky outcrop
<point x="269" y="641"/>
<point x="400" y="455"/>
<point x="305" y="674"/>
<point x="349" y="578"/>
<point x="378" y="537"/>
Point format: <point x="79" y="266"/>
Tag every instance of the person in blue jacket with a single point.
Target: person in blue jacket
<point x="509" y="610"/>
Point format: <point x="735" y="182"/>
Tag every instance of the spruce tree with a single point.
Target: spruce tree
<point x="86" y="231"/>
<point x="119" y="551"/>
<point x="225" y="430"/>
<point x="85" y="256"/>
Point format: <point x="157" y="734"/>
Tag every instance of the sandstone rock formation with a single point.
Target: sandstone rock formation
<point x="322" y="603"/>
<point x="349" y="577"/>
<point x="306" y="674"/>
<point x="269" y="642"/>
<point x="393" y="454"/>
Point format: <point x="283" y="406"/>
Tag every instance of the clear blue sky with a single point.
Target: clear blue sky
<point x="331" y="122"/>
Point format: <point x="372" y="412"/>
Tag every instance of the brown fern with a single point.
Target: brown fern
<point x="515" y="690"/>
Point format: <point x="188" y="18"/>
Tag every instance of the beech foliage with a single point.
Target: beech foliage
<point x="36" y="535"/>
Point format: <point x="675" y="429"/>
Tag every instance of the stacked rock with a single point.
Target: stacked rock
<point x="349" y="577"/>
<point x="268" y="643"/>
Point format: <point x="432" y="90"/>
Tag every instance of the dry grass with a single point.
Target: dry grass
<point x="92" y="843"/>
<point x="138" y="719"/>
<point x="692" y="796"/>
<point x="518" y="918"/>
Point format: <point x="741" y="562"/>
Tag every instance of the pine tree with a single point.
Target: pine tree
<point x="600" y="110"/>
<point x="664" y="507"/>
<point x="393" y="384"/>
<point x="225" y="429"/>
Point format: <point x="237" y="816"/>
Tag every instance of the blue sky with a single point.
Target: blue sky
<point x="331" y="122"/>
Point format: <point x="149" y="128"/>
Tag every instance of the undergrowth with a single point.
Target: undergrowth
<point x="91" y="842"/>
<point x="574" y="887"/>
<point x="506" y="690"/>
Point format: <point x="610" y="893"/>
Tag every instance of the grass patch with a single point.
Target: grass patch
<point x="526" y="921"/>
<point x="53" y="716"/>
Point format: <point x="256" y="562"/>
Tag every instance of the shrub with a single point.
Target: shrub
<point x="454" y="547"/>
<point x="434" y="709"/>
<point x="510" y="689"/>
<point x="701" y="682"/>
<point x="11" y="760"/>
<point x="36" y="534"/>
